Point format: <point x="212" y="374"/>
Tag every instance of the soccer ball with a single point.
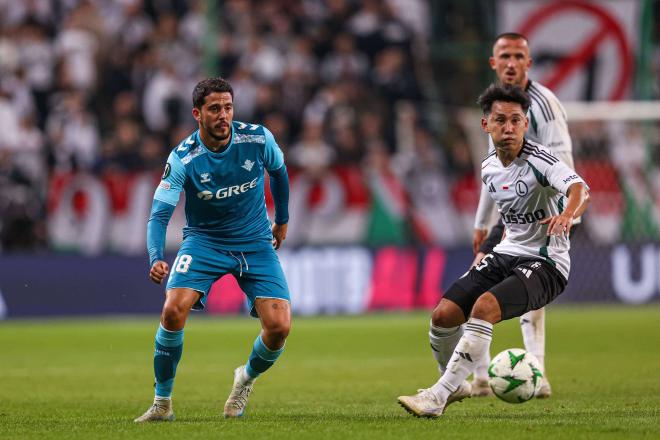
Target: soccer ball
<point x="515" y="375"/>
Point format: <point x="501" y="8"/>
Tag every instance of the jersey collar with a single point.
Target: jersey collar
<point x="213" y="153"/>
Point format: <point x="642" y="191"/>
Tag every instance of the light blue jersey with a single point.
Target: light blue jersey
<point x="225" y="201"/>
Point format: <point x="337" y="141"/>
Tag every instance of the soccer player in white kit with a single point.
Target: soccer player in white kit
<point x="537" y="197"/>
<point x="547" y="126"/>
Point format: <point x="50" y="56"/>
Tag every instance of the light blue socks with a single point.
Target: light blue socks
<point x="169" y="346"/>
<point x="261" y="358"/>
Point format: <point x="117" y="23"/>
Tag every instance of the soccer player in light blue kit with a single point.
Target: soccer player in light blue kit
<point x="221" y="169"/>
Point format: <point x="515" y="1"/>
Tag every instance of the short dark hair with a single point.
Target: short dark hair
<point x="208" y="86"/>
<point x="503" y="92"/>
<point x="511" y="36"/>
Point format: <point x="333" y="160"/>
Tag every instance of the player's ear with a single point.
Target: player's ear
<point x="529" y="63"/>
<point x="484" y="124"/>
<point x="491" y="61"/>
<point x="196" y="114"/>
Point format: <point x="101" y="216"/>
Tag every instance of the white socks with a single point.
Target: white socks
<point x="481" y="367"/>
<point x="443" y="341"/>
<point x="245" y="379"/>
<point x="471" y="348"/>
<point x="532" y="325"/>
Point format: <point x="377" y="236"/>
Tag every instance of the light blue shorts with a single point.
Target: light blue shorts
<point x="199" y="264"/>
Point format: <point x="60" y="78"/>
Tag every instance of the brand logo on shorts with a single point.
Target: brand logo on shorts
<point x="526" y="272"/>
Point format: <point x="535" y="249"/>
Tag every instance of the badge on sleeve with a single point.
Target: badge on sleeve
<point x="167" y="171"/>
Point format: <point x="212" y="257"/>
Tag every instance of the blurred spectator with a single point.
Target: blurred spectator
<point x="9" y="123"/>
<point x="37" y="59"/>
<point x="73" y="132"/>
<point x="122" y="152"/>
<point x="312" y="153"/>
<point x="344" y="62"/>
<point x="163" y="101"/>
<point x="76" y="47"/>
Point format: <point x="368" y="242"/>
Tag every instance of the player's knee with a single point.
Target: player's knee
<point x="446" y="317"/>
<point x="279" y="330"/>
<point x="487" y="308"/>
<point x="173" y="316"/>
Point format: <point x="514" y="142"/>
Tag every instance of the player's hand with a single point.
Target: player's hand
<point x="159" y="271"/>
<point x="279" y="234"/>
<point x="477" y="259"/>
<point x="477" y="239"/>
<point x="558" y="224"/>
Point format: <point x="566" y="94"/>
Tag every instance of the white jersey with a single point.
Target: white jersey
<point x="530" y="189"/>
<point x="548" y="126"/>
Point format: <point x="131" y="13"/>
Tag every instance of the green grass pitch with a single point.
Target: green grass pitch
<point x="338" y="378"/>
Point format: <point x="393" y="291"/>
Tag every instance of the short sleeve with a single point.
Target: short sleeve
<point x="273" y="157"/>
<point x="561" y="177"/>
<point x="171" y="183"/>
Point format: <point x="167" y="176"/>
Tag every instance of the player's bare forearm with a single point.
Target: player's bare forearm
<point x="279" y="234"/>
<point x="478" y="238"/>
<point x="578" y="200"/>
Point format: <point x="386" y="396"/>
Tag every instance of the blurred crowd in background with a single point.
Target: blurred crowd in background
<point x="104" y="87"/>
<point x="98" y="87"/>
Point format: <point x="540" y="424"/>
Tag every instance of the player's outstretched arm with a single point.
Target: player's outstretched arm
<point x="161" y="213"/>
<point x="279" y="187"/>
<point x="578" y="200"/>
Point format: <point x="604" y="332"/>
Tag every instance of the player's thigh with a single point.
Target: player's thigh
<point x="512" y="297"/>
<point x="478" y="280"/>
<point x="531" y="285"/>
<point x="197" y="266"/>
<point x="263" y="277"/>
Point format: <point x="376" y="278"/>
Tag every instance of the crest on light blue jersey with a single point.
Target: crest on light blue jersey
<point x="248" y="164"/>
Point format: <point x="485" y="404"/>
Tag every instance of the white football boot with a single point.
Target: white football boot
<point x="160" y="411"/>
<point x="426" y="404"/>
<point x="481" y="388"/>
<point x="238" y="398"/>
<point x="545" y="391"/>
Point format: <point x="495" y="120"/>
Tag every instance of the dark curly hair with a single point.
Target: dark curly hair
<point x="506" y="93"/>
<point x="208" y="86"/>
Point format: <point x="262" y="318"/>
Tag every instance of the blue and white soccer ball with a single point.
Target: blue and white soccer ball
<point x="515" y="375"/>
